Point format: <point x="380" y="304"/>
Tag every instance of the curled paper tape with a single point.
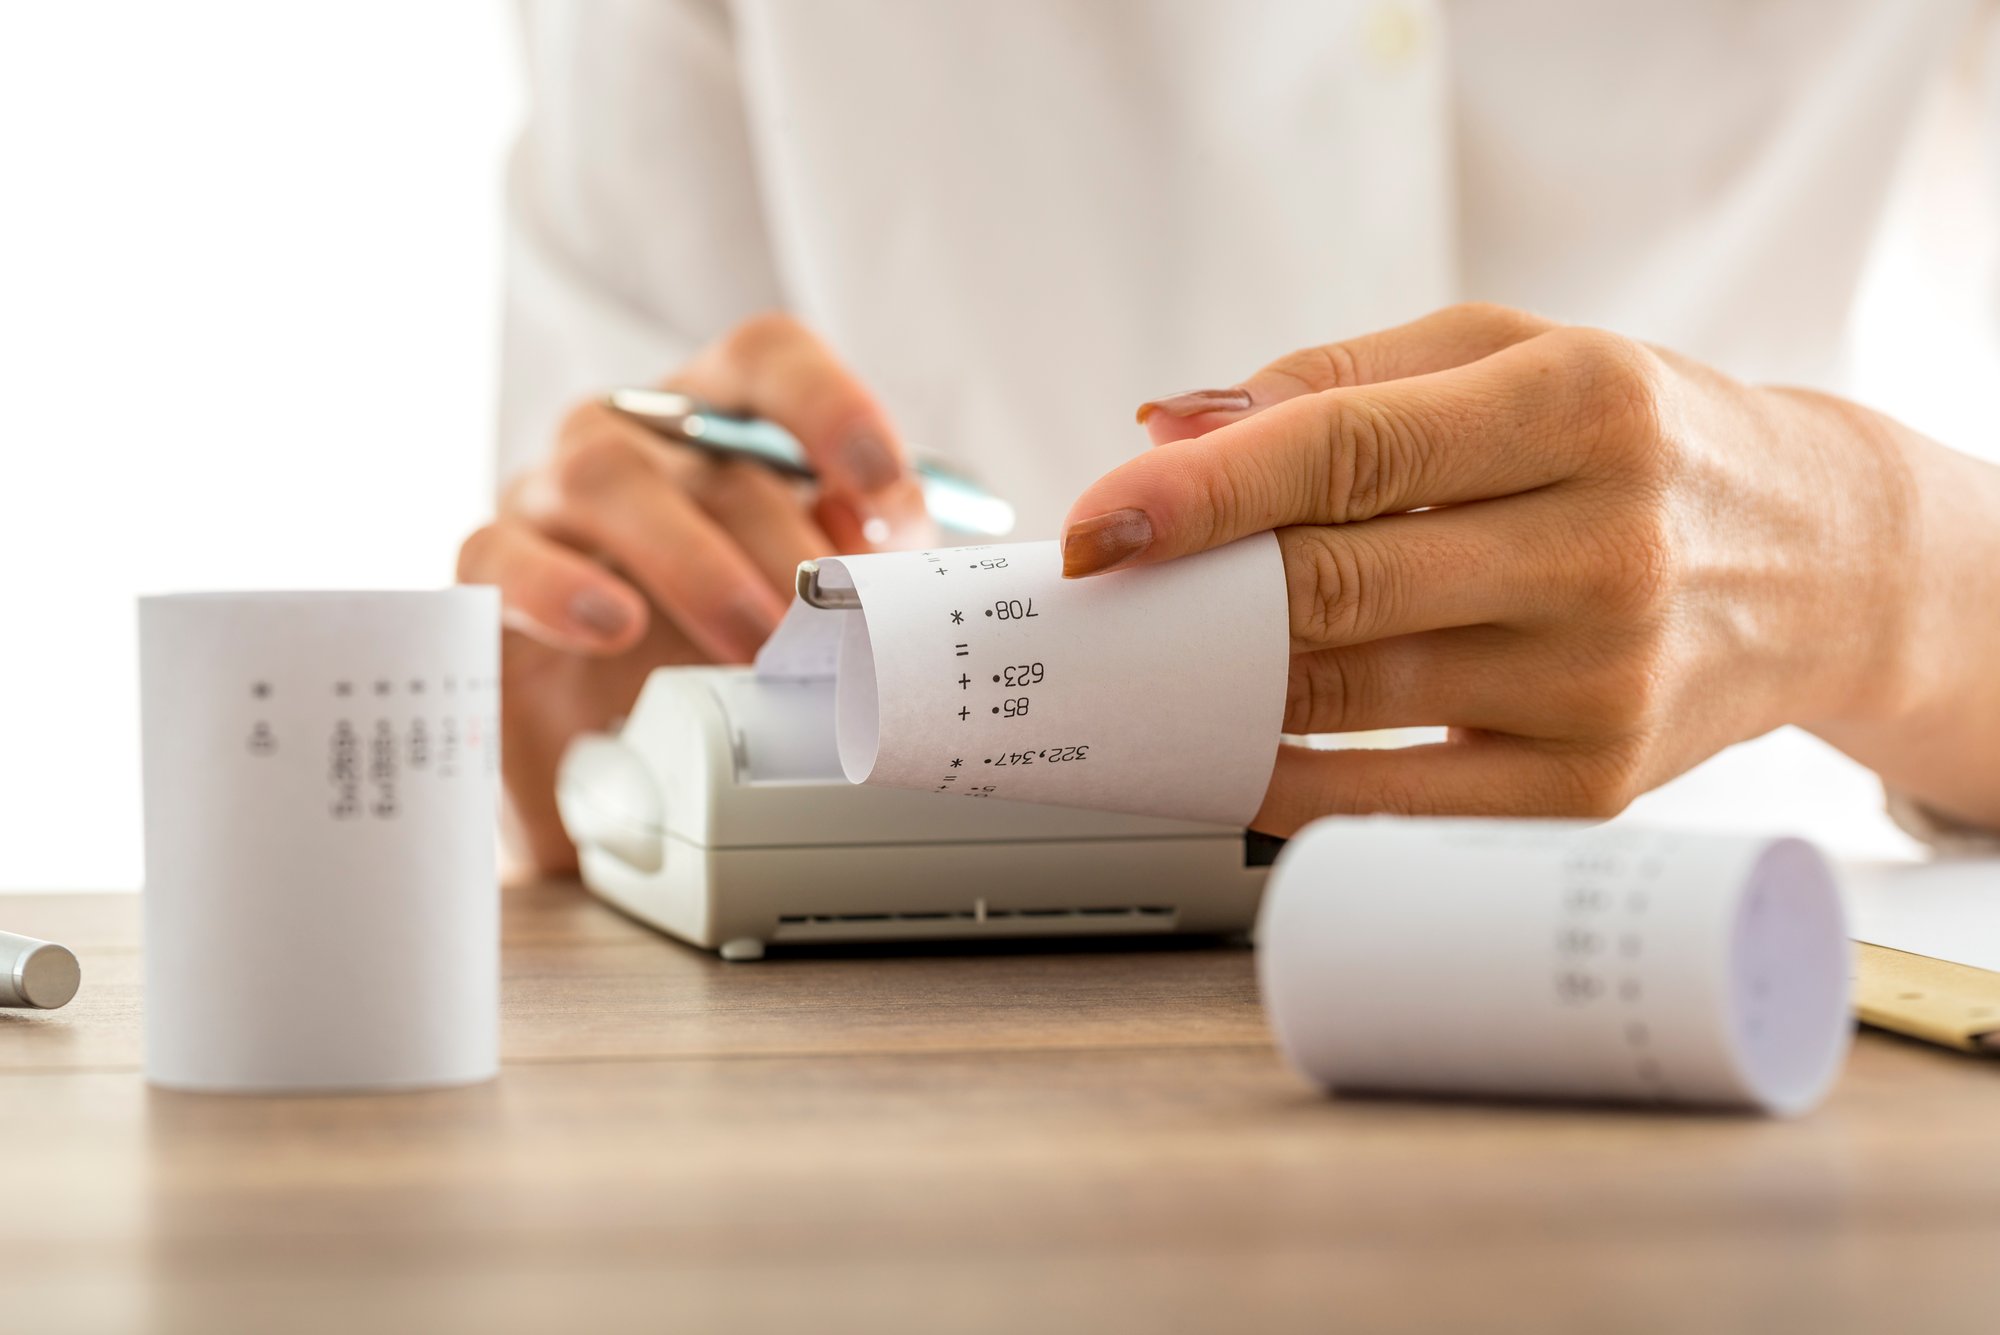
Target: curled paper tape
<point x="981" y="672"/>
<point x="1557" y="960"/>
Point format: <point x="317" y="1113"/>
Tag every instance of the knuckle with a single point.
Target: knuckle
<point x="476" y="554"/>
<point x="1623" y="694"/>
<point x="1631" y="573"/>
<point x="1319" y="695"/>
<point x="1220" y="503"/>
<point x="1479" y="312"/>
<point x="1327" y="603"/>
<point x="596" y="462"/>
<point x="1306" y="698"/>
<point x="1594" y="783"/>
<point x="735" y="486"/>
<point x="583" y="419"/>
<point x="1402" y="795"/>
<point x="1504" y="321"/>
<point x="1620" y="383"/>
<point x="759" y="336"/>
<point x="1365" y="437"/>
<point x="1329" y="366"/>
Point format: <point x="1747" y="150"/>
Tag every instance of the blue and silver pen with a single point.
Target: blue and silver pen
<point x="957" y="502"/>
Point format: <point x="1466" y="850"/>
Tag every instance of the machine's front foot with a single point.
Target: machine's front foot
<point x="742" y="948"/>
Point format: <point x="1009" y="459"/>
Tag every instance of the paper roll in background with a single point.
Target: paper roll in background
<point x="321" y="900"/>
<point x="1557" y="960"/>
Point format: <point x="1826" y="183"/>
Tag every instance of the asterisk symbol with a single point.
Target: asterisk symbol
<point x="958" y="618"/>
<point x="956" y="763"/>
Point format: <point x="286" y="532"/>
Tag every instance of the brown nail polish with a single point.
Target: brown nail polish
<point x="1194" y="402"/>
<point x="599" y="613"/>
<point x="1104" y="542"/>
<point x="869" y="461"/>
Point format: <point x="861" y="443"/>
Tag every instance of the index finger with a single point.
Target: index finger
<point x="776" y="368"/>
<point x="1512" y="422"/>
<point x="1439" y="341"/>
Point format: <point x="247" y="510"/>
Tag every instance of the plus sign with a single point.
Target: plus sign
<point x="963" y="681"/>
<point x="962" y="712"/>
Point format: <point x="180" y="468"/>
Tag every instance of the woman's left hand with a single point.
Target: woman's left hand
<point x="1597" y="562"/>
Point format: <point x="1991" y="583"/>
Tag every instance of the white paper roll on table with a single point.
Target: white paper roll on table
<point x="321" y="902"/>
<point x="1557" y="960"/>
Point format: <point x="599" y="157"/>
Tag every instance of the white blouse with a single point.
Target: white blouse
<point x="1019" y="220"/>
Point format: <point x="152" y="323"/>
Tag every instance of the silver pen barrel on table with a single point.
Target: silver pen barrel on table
<point x="36" y="975"/>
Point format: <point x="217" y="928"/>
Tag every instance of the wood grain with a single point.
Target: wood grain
<point x="979" y="1140"/>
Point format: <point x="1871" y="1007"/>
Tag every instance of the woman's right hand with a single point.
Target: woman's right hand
<point x="622" y="552"/>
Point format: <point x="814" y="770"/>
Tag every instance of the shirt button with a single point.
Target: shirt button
<point x="1394" y="33"/>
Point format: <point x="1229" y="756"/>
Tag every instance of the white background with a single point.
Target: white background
<point x="249" y="278"/>
<point x="248" y="287"/>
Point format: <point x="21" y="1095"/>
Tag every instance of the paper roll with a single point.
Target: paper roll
<point x="321" y="776"/>
<point x="982" y="672"/>
<point x="1557" y="960"/>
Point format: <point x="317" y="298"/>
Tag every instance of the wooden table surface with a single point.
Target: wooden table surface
<point x="1097" y="1138"/>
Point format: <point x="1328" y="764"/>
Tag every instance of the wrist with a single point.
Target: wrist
<point x="1925" y="714"/>
<point x="1868" y="668"/>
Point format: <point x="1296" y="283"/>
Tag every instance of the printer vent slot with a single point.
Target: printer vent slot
<point x="1096" y="915"/>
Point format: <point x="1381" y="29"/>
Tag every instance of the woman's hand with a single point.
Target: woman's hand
<point x="1598" y="563"/>
<point x="622" y="552"/>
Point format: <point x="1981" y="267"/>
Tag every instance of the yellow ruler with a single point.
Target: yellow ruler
<point x="1939" y="1002"/>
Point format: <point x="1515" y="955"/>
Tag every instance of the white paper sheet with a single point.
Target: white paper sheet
<point x="1948" y="909"/>
<point x="321" y="903"/>
<point x="1557" y="960"/>
<point x="981" y="672"/>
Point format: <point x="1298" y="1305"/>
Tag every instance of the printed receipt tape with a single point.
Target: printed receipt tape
<point x="981" y="672"/>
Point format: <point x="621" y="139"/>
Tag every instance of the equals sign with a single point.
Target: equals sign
<point x="962" y="651"/>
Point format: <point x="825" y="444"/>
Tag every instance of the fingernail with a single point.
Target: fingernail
<point x="1194" y="402"/>
<point x="600" y="614"/>
<point x="1105" y="541"/>
<point x="869" y="461"/>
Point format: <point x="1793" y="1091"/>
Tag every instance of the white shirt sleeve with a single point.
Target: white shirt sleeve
<point x="635" y="227"/>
